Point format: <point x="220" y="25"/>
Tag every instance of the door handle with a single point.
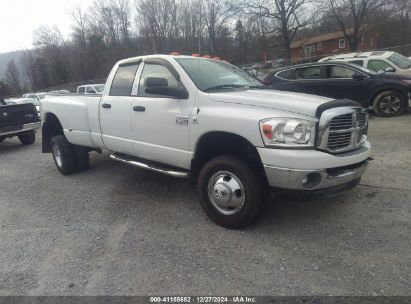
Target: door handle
<point x="106" y="106"/>
<point x="139" y="109"/>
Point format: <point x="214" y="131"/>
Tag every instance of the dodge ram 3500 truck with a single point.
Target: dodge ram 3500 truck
<point x="215" y="124"/>
<point x="19" y="120"/>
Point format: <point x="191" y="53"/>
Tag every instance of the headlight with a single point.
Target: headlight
<point x="288" y="132"/>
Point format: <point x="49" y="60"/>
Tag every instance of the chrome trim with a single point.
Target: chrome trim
<point x="287" y="178"/>
<point x="27" y="127"/>
<point x="355" y="129"/>
<point x="132" y="162"/>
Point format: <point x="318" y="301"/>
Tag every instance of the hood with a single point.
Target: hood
<point x="403" y="75"/>
<point x="299" y="103"/>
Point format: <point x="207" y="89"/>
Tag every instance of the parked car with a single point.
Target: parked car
<point x="19" y="120"/>
<point x="378" y="61"/>
<point x="215" y="124"/>
<point x="387" y="94"/>
<point x="90" y="89"/>
<point x="60" y="92"/>
<point x="38" y="96"/>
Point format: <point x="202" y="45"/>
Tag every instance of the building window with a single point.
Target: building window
<point x="309" y="50"/>
<point x="341" y="43"/>
<point x="320" y="46"/>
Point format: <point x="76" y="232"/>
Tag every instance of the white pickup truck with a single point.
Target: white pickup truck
<point x="215" y="124"/>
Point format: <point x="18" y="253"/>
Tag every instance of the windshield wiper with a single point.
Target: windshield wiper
<point x="230" y="86"/>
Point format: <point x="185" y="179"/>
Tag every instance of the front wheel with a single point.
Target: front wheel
<point x="28" y="138"/>
<point x="230" y="192"/>
<point x="389" y="103"/>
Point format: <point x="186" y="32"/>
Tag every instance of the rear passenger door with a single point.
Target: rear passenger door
<point x="115" y="110"/>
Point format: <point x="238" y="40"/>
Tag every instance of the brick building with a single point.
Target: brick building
<point x="328" y="44"/>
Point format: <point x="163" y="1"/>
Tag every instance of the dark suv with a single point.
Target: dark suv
<point x="387" y="94"/>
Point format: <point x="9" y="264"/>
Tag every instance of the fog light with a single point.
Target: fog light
<point x="311" y="181"/>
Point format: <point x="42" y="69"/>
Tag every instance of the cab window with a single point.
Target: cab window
<point x="81" y="90"/>
<point x="357" y="62"/>
<point x="287" y="74"/>
<point x="335" y="72"/>
<point x="90" y="90"/>
<point x="123" y="80"/>
<point x="155" y="70"/>
<point x="308" y="73"/>
<point x="378" y="65"/>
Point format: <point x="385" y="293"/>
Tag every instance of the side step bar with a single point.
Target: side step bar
<point x="149" y="166"/>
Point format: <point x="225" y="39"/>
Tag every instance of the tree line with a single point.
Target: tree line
<point x="242" y="31"/>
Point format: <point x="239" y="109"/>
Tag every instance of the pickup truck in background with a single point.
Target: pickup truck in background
<point x="215" y="124"/>
<point x="90" y="89"/>
<point x="19" y="120"/>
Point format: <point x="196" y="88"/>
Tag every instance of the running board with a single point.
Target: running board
<point x="149" y="166"/>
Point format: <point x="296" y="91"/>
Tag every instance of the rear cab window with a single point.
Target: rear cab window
<point x="123" y="80"/>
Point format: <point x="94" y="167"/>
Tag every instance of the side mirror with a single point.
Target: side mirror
<point x="159" y="86"/>
<point x="389" y="70"/>
<point x="358" y="76"/>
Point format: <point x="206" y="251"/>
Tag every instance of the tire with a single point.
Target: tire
<point x="63" y="155"/>
<point x="82" y="158"/>
<point x="389" y="103"/>
<point x="27" y="138"/>
<point x="247" y="199"/>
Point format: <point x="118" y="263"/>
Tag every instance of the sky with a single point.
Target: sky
<point x="19" y="18"/>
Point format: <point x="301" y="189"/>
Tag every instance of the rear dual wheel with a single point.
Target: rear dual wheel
<point x="67" y="157"/>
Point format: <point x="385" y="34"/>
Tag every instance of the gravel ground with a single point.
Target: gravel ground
<point x="118" y="230"/>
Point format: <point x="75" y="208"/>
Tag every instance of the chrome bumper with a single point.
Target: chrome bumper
<point x="27" y="127"/>
<point x="313" y="179"/>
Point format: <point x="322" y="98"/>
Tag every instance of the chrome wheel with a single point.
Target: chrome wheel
<point x="57" y="156"/>
<point x="226" y="192"/>
<point x="390" y="104"/>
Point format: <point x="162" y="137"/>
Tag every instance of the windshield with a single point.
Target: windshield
<point x="400" y="61"/>
<point x="41" y="95"/>
<point x="99" y="88"/>
<point x="212" y="74"/>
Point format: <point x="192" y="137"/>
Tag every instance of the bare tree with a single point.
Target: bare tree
<point x="48" y="36"/>
<point x="282" y="19"/>
<point x="216" y="15"/>
<point x="13" y="76"/>
<point x="112" y="20"/>
<point x="351" y="15"/>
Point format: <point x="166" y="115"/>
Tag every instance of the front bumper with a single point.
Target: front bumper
<point x="26" y="128"/>
<point x="295" y="179"/>
<point x="312" y="169"/>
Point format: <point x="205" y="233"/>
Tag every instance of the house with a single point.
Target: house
<point x="320" y="46"/>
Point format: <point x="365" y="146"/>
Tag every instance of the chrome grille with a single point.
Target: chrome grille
<point x="342" y="129"/>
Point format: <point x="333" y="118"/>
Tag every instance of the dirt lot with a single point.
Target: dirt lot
<point x="119" y="230"/>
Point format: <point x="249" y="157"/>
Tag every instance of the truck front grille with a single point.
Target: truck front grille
<point x="343" y="129"/>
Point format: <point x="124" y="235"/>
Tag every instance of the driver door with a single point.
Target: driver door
<point x="160" y="124"/>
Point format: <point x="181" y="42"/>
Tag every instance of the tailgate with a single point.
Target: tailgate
<point x="15" y="115"/>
